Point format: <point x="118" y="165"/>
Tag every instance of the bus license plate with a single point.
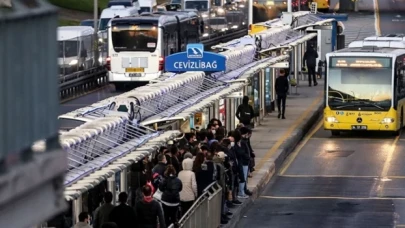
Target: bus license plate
<point x="359" y="127"/>
<point x="134" y="70"/>
<point x="135" y="75"/>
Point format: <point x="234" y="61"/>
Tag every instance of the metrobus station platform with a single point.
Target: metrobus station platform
<point x="274" y="139"/>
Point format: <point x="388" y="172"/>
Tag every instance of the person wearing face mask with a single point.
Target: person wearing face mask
<point x="242" y="154"/>
<point x="232" y="172"/>
<point x="246" y="133"/>
<point x="236" y="169"/>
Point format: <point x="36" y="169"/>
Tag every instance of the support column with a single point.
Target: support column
<point x="295" y="59"/>
<point x="124" y="181"/>
<point x="216" y="109"/>
<point x="228" y="114"/>
<point x="77" y="209"/>
<point x="232" y="109"/>
<point x="211" y="113"/>
<point x="112" y="188"/>
<point x="262" y="92"/>
<point x="273" y="90"/>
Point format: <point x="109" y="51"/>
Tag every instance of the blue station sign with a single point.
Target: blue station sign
<point x="195" y="59"/>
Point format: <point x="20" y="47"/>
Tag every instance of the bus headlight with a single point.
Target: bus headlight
<point x="331" y="119"/>
<point x="387" y="120"/>
<point x="73" y="62"/>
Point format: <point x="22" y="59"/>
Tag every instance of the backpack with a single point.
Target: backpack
<point x="157" y="179"/>
<point x="245" y="113"/>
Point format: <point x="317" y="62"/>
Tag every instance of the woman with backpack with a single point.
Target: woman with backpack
<point x="170" y="187"/>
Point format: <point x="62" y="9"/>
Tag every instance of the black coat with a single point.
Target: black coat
<point x="206" y="175"/>
<point x="171" y="187"/>
<point x="147" y="212"/>
<point x="124" y="216"/>
<point x="310" y="57"/>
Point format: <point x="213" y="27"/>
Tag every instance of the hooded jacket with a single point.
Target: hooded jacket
<point x="187" y="178"/>
<point x="245" y="112"/>
<point x="310" y="57"/>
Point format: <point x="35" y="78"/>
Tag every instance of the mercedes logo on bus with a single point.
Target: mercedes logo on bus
<point x="359" y="120"/>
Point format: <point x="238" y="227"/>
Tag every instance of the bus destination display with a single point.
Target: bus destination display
<point x="359" y="62"/>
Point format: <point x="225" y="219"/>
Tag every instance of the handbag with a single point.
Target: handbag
<point x="158" y="194"/>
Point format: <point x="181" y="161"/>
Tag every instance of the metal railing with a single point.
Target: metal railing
<point x="206" y="210"/>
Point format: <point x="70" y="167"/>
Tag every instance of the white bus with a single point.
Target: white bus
<point x="116" y="11"/>
<point x="138" y="45"/>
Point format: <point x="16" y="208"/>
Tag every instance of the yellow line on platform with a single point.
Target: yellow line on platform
<point x="313" y="176"/>
<point x="289" y="131"/>
<point x="330" y="197"/>
<point x="294" y="154"/>
<point x="387" y="165"/>
<point x="348" y="139"/>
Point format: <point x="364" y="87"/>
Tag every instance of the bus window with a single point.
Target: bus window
<point x="134" y="37"/>
<point x="198" y="5"/>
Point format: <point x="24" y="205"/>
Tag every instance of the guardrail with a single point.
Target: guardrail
<point x="224" y="38"/>
<point x="82" y="81"/>
<point x="206" y="210"/>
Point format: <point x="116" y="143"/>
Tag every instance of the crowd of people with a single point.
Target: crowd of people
<point x="164" y="187"/>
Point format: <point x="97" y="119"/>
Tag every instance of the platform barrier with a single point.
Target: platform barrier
<point x="206" y="210"/>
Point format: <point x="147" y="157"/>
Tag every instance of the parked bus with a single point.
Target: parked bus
<point x="139" y="45"/>
<point x="365" y="86"/>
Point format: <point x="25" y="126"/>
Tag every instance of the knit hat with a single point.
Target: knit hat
<point x="188" y="155"/>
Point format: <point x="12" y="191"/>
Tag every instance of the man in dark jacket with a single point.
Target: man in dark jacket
<point x="207" y="174"/>
<point x="281" y="87"/>
<point x="160" y="167"/>
<point x="309" y="60"/>
<point x="102" y="213"/>
<point x="245" y="112"/>
<point x="148" y="211"/>
<point x="123" y="215"/>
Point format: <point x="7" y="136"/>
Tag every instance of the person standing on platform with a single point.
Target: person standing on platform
<point x="123" y="215"/>
<point x="281" y="87"/>
<point x="309" y="60"/>
<point x="102" y="213"/>
<point x="84" y="220"/>
<point x="245" y="112"/>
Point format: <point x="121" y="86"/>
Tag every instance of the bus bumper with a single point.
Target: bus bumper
<point x="142" y="77"/>
<point x="360" y="127"/>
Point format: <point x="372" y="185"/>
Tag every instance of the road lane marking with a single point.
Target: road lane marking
<point x="326" y="176"/>
<point x="387" y="164"/>
<point x="289" y="131"/>
<point x="331" y="197"/>
<point x="297" y="150"/>
<point x="351" y="139"/>
<point x="377" y="18"/>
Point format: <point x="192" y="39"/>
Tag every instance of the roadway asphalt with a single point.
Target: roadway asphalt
<point x="87" y="99"/>
<point x="392" y="16"/>
<point x="353" y="180"/>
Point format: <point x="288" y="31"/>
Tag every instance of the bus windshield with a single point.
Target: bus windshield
<point x="103" y="23"/>
<point x="68" y="48"/>
<point x="198" y="5"/>
<point x="353" y="85"/>
<point x="134" y="37"/>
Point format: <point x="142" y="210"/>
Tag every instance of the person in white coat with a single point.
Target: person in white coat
<point x="189" y="192"/>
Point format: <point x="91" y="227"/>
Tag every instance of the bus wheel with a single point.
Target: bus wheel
<point x="335" y="133"/>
